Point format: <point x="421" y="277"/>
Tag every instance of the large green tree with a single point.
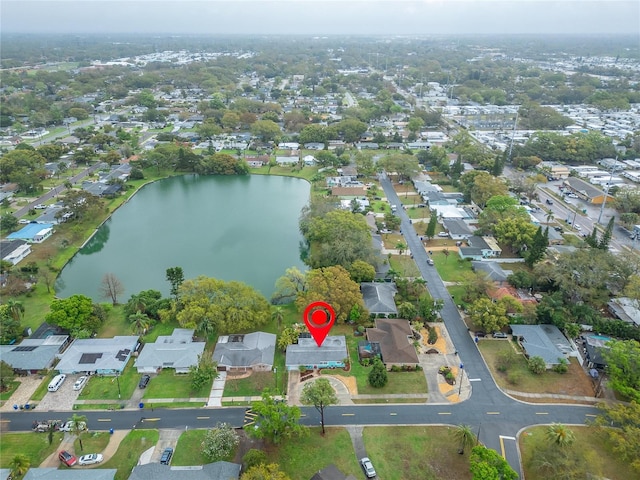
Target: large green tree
<point x="320" y="394"/>
<point x="487" y="464"/>
<point x="288" y="286"/>
<point x="488" y="315"/>
<point x="76" y="314"/>
<point x="220" y="443"/>
<point x="210" y="305"/>
<point x="625" y="437"/>
<point x="275" y="419"/>
<point x="334" y="286"/>
<point x="10" y="328"/>
<point x="623" y="367"/>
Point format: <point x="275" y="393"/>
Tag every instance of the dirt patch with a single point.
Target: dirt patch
<point x="246" y="443"/>
<point x="350" y="383"/>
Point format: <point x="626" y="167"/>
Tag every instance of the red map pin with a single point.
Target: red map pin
<point x="319" y="318"/>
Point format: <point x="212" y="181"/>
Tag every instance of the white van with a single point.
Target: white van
<point x="58" y="380"/>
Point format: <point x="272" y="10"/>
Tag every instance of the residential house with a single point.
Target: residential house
<point x="287" y="160"/>
<point x="379" y="298"/>
<point x="362" y="204"/>
<point x="14" y="251"/>
<point x="251" y="351"/>
<point x="480" y="248"/>
<point x="258" y="161"/>
<point x="210" y="471"/>
<point x="457" y="229"/>
<point x="314" y="146"/>
<point x="54" y="473"/>
<point x="395" y="342"/>
<point x="177" y="351"/>
<point x="33" y="232"/>
<point x="594" y="346"/>
<point x="33" y="355"/>
<point x="545" y="341"/>
<point x="348" y="191"/>
<point x="493" y="270"/>
<point x="306" y="353"/>
<point x="103" y="356"/>
<point x="625" y="309"/>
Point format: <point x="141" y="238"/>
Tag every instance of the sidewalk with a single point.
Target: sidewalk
<point x="554" y="396"/>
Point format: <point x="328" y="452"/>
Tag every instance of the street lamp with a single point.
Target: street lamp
<point x="461" y="377"/>
<point x="118" y="382"/>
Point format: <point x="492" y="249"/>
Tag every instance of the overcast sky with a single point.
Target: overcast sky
<point x="383" y="17"/>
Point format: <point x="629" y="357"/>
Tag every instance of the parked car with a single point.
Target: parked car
<point x="68" y="459"/>
<point x="577" y="227"/>
<point x="80" y="382"/>
<point x="166" y="456"/>
<point x="429" y="261"/>
<point x="40" y="207"/>
<point x="558" y="228"/>
<point x="549" y="202"/>
<point x="500" y="335"/>
<point x="480" y="334"/>
<point x="69" y="427"/>
<point x="42" y="426"/>
<point x="90" y="459"/>
<point x="367" y="466"/>
<point x="443" y="234"/>
<point x="144" y="381"/>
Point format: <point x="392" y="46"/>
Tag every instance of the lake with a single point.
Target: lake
<point x="230" y="228"/>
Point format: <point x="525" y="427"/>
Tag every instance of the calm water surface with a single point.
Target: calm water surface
<point x="231" y="228"/>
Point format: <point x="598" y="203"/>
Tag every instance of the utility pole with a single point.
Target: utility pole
<point x="606" y="192"/>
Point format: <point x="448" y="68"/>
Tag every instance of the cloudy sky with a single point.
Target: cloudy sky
<point x="383" y="17"/>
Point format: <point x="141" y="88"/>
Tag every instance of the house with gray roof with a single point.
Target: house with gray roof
<point x="378" y="297"/>
<point x="14" y="251"/>
<point x="457" y="228"/>
<point x="103" y="356"/>
<point x="52" y="473"/>
<point x="493" y="270"/>
<point x="210" y="471"/>
<point x="306" y="353"/>
<point x="545" y="341"/>
<point x="177" y="351"/>
<point x="33" y="354"/>
<point x="251" y="351"/>
<point x="480" y="248"/>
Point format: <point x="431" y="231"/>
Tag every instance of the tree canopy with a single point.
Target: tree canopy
<point x="76" y="314"/>
<point x="275" y="419"/>
<point x="623" y="367"/>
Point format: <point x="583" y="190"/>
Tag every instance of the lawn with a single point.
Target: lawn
<point x="428" y="453"/>
<point x="451" y="268"/>
<point x="399" y="382"/>
<point x="42" y="389"/>
<point x="93" y="442"/>
<point x="404" y="265"/>
<point x="300" y="457"/>
<point x="159" y="329"/>
<point x="574" y="382"/>
<point x="593" y="446"/>
<point x="168" y="384"/>
<point x="116" y="323"/>
<point x="6" y="394"/>
<point x="251" y="385"/>
<point x="189" y="451"/>
<point x="34" y="445"/>
<point x="106" y="387"/>
<point x="136" y="442"/>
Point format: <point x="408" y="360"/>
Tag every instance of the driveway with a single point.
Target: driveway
<point x="23" y="393"/>
<point x="63" y="399"/>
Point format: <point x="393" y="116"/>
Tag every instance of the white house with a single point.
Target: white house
<point x="177" y="351"/>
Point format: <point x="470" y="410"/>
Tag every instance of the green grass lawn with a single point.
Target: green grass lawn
<point x="159" y="329"/>
<point x="188" y="451"/>
<point x="168" y="384"/>
<point x="93" y="442"/>
<point x="301" y="458"/>
<point x="404" y="265"/>
<point x="590" y="443"/>
<point x="252" y="385"/>
<point x="136" y="442"/>
<point x="427" y="453"/>
<point x="458" y="292"/>
<point x="451" y="268"/>
<point x="106" y="387"/>
<point x="34" y="445"/>
<point x="399" y="382"/>
<point x="6" y="395"/>
<point x="42" y="389"/>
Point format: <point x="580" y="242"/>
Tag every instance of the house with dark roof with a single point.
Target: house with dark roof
<point x="177" y="351"/>
<point x="306" y="353"/>
<point x="14" y="251"/>
<point x="103" y="356"/>
<point x="378" y="297"/>
<point x="394" y="340"/>
<point x="251" y="351"/>
<point x="625" y="309"/>
<point x="545" y="341"/>
<point x="480" y="248"/>
<point x="210" y="471"/>
<point x="585" y="190"/>
<point x="33" y="354"/>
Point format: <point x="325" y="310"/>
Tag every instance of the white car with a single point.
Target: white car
<point x="577" y="227"/>
<point x="68" y="427"/>
<point x="367" y="466"/>
<point x="90" y="459"/>
<point x="80" y="383"/>
<point x="443" y="234"/>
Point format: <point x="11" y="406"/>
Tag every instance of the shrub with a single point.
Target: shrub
<point x="433" y="336"/>
<point x="562" y="367"/>
<point x="220" y="442"/>
<point x="254" y="457"/>
<point x="365" y="362"/>
<point x="505" y="360"/>
<point x="378" y="377"/>
<point x="418" y="368"/>
<point x="537" y="365"/>
<point x="514" y="377"/>
<point x="450" y="377"/>
<point x="395" y="368"/>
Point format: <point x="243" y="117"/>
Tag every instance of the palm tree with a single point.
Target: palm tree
<point x="16" y="309"/>
<point x="79" y="423"/>
<point x="465" y="436"/>
<point x="401" y="247"/>
<point x="560" y="435"/>
<point x="445" y="252"/>
<point x="277" y="314"/>
<point x="140" y="322"/>
<point x="19" y="465"/>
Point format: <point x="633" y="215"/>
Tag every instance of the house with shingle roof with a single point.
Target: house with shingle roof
<point x="104" y="356"/>
<point x="493" y="270"/>
<point x="395" y="341"/>
<point x="251" y="351"/>
<point x="306" y="353"/>
<point x="379" y="297"/>
<point x="210" y="471"/>
<point x="545" y="341"/>
<point x="33" y="354"/>
<point x="177" y="351"/>
<point x="14" y="251"/>
<point x="457" y="228"/>
<point x="53" y="473"/>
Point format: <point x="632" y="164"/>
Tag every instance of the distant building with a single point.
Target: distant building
<point x="14" y="251"/>
<point x="33" y="232"/>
